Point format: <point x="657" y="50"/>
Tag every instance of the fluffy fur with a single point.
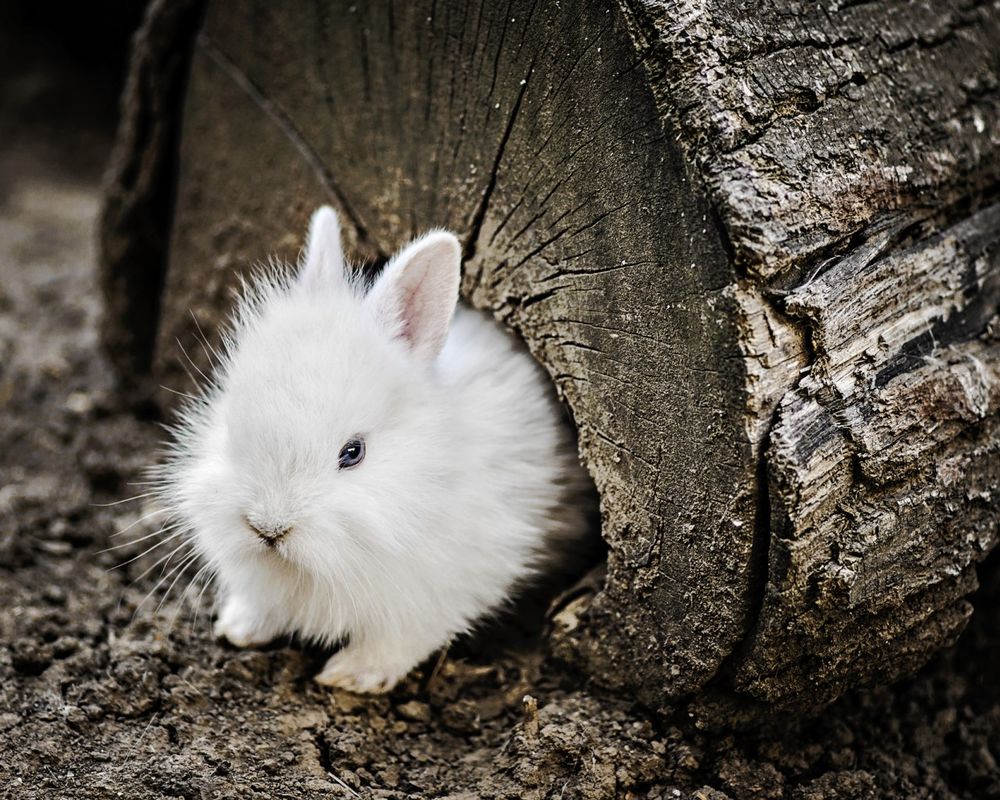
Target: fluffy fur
<point x="469" y="483"/>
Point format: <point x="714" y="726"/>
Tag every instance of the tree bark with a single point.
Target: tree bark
<point x="134" y="225"/>
<point x="757" y="248"/>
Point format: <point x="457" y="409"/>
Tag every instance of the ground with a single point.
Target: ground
<point x="109" y="688"/>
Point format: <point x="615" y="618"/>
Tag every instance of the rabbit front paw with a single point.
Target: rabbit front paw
<point x="242" y="626"/>
<point x="361" y="671"/>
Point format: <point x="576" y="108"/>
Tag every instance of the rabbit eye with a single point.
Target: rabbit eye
<point x="352" y="453"/>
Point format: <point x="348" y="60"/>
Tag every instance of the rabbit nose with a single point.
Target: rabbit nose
<point x="268" y="533"/>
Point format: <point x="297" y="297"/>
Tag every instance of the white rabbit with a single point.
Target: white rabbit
<point x="366" y="468"/>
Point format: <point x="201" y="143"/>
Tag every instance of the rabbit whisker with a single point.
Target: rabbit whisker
<point x="184" y="565"/>
<point x="163" y="577"/>
<point x="147" y="551"/>
<point x="143" y="518"/>
<point x="205" y="344"/>
<point x="162" y="560"/>
<point x="205" y="570"/>
<point x="178" y="393"/>
<point x="126" y="500"/>
<point x="191" y="362"/>
<point x="164" y="529"/>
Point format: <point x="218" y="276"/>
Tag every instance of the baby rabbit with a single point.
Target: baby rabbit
<point x="365" y="467"/>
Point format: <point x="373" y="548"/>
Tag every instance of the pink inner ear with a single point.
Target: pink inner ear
<point x="419" y="290"/>
<point x="413" y="309"/>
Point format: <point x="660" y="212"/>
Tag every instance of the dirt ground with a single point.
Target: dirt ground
<point x="108" y="690"/>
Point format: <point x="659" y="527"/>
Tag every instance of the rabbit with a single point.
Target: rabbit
<point x="379" y="466"/>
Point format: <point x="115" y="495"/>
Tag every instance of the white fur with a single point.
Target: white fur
<point x="469" y="479"/>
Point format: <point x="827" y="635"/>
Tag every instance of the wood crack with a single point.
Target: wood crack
<point x="476" y="223"/>
<point x="292" y="133"/>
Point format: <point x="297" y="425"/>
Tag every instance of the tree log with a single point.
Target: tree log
<point x="757" y="248"/>
<point x="134" y="225"/>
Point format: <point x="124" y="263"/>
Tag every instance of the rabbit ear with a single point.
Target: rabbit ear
<point x="323" y="264"/>
<point x="416" y="294"/>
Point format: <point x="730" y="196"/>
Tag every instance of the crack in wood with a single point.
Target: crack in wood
<point x="292" y="133"/>
<point x="478" y="217"/>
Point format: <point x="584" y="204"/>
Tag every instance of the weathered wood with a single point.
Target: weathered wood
<point x="884" y="463"/>
<point x="835" y="140"/>
<point x="755" y="247"/>
<point x="813" y="123"/>
<point x="135" y="217"/>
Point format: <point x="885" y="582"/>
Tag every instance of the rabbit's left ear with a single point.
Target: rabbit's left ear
<point x="416" y="294"/>
<point x="323" y="264"/>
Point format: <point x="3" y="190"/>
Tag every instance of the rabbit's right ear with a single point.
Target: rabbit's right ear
<point x="416" y="293"/>
<point x="323" y="264"/>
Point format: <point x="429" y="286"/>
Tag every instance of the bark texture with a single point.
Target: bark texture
<point x="135" y="217"/>
<point x="851" y="150"/>
<point x="757" y="248"/>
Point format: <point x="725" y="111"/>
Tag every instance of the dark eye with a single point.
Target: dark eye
<point x="352" y="453"/>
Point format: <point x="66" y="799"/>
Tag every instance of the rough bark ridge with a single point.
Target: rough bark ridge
<point x="754" y="246"/>
<point x="847" y="147"/>
<point x="135" y="217"/>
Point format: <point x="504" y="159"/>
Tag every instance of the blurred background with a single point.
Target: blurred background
<point x="62" y="67"/>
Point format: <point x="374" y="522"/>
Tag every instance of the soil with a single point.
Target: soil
<point x="113" y="686"/>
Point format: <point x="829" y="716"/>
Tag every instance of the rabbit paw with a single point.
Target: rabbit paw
<point x="241" y="627"/>
<point x="356" y="670"/>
